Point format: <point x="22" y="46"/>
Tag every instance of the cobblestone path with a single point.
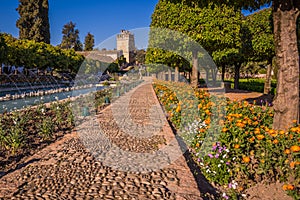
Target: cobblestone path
<point x="128" y="151"/>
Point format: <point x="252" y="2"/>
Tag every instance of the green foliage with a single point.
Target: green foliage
<point x="89" y="42"/>
<point x="260" y="27"/>
<point x="3" y="50"/>
<point x="33" y="23"/>
<point x="31" y="54"/>
<point x="256" y="85"/>
<point x="70" y="38"/>
<point x="215" y="27"/>
<point x="46" y="128"/>
<point x="140" y="56"/>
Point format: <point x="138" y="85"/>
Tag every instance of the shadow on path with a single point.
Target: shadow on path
<point x="2" y="173"/>
<point x="207" y="191"/>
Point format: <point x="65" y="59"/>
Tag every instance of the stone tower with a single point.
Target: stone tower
<point x="125" y="42"/>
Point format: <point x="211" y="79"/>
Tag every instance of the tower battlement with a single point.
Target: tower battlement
<point x="125" y="43"/>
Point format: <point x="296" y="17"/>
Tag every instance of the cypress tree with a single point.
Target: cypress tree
<point x="70" y="38"/>
<point x="89" y="42"/>
<point x="33" y="23"/>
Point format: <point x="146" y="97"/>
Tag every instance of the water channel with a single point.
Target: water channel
<point x="16" y="104"/>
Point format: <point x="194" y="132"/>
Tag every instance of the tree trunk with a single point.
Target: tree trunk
<point x="236" y="75"/>
<point x="195" y="77"/>
<point x="169" y="74"/>
<point x="286" y="103"/>
<point x="223" y="72"/>
<point x="214" y="73"/>
<point x="267" y="86"/>
<point x="176" y="74"/>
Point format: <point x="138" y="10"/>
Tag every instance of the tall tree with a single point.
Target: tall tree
<point x="260" y="27"/>
<point x="33" y="23"/>
<point x="89" y="42"/>
<point x="285" y="15"/>
<point x="70" y="38"/>
<point x="3" y="52"/>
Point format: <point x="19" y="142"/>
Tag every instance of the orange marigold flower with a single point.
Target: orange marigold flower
<point x="285" y="187"/>
<point x="295" y="148"/>
<point x="224" y="129"/>
<point x="287" y="151"/>
<point x="246" y="159"/>
<point x="293" y="129"/>
<point x="207" y="121"/>
<point x="292" y="165"/>
<point x="260" y="137"/>
<point x="252" y="139"/>
<point x="236" y="146"/>
<point x="295" y="121"/>
<point x="290" y="187"/>
<point x="271" y="131"/>
<point x="275" y="141"/>
<point x="197" y="145"/>
<point x="202" y="130"/>
<point x="281" y="132"/>
<point x="199" y="106"/>
<point x="178" y="108"/>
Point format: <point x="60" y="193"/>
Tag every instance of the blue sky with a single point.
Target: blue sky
<point x="103" y="18"/>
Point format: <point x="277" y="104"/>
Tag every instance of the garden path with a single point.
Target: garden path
<point x="127" y="151"/>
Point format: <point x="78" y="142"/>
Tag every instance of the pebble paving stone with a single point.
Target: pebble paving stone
<point x="127" y="151"/>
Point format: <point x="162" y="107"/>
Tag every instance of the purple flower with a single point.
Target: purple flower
<point x="217" y="155"/>
<point x="220" y="150"/>
<point x="227" y="163"/>
<point x="218" y="144"/>
<point x="230" y="185"/>
<point x="214" y="147"/>
<point x="199" y="160"/>
<point x="211" y="156"/>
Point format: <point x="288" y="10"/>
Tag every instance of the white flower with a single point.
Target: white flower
<point x="214" y="172"/>
<point x="234" y="186"/>
<point x="224" y="156"/>
<point x="227" y="150"/>
<point x="222" y="161"/>
<point x="219" y="165"/>
<point x="208" y="171"/>
<point x="233" y="158"/>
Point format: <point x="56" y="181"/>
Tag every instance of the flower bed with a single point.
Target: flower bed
<point x="233" y="142"/>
